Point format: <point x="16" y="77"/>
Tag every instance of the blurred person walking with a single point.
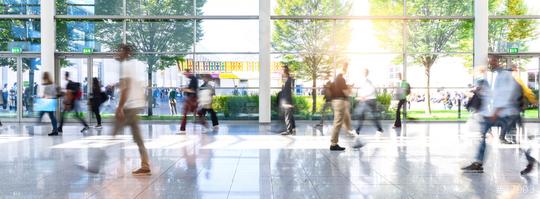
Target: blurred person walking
<point x="72" y="96"/>
<point x="97" y="98"/>
<point x="286" y="103"/>
<point x="205" y="95"/>
<point x="47" y="102"/>
<point x="528" y="98"/>
<point x="367" y="102"/>
<point x="341" y="106"/>
<point x="402" y="92"/>
<point x="172" y="101"/>
<point x="327" y="94"/>
<point x="190" y="101"/>
<point x="131" y="102"/>
<point x="500" y="107"/>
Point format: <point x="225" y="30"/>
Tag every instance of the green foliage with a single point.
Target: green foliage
<point x="505" y="31"/>
<point x="427" y="36"/>
<point x="318" y="42"/>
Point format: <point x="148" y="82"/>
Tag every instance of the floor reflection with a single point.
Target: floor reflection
<point x="247" y="160"/>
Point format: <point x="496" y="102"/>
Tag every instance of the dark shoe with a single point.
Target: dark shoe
<point x="142" y="172"/>
<point x="528" y="169"/>
<point x="287" y="133"/>
<point x="53" y="134"/>
<point x="85" y="129"/>
<point x="504" y="141"/>
<point x="336" y="148"/>
<point x="60" y="130"/>
<point x="473" y="168"/>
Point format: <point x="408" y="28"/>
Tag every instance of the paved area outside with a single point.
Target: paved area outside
<point x="248" y="160"/>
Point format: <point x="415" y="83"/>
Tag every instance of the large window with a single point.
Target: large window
<point x="24" y="34"/>
<point x="519" y="7"/>
<point x="18" y="7"/>
<point x="228" y="36"/>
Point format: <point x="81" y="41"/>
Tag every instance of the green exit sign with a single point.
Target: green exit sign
<point x="87" y="51"/>
<point x="513" y="50"/>
<point x="16" y="50"/>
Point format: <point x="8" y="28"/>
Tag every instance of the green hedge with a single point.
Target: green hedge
<point x="247" y="107"/>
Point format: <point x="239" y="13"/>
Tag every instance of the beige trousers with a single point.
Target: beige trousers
<point x="342" y="116"/>
<point x="131" y="119"/>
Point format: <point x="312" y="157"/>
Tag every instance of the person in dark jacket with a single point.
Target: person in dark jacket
<point x="190" y="102"/>
<point x="286" y="103"/>
<point x="71" y="101"/>
<point x="98" y="97"/>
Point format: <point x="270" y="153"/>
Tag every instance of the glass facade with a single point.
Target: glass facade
<point x="425" y="40"/>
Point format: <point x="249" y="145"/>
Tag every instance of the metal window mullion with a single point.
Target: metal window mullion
<point x="124" y="22"/>
<point x="19" y="94"/>
<point x="19" y="16"/>
<point x="284" y="17"/>
<point x="156" y="17"/>
<point x="514" y="17"/>
<point x="89" y="82"/>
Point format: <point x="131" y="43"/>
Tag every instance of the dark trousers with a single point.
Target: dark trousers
<point x="505" y="123"/>
<point x="51" y="117"/>
<point x="401" y="104"/>
<point x="190" y="106"/>
<point x="213" y="115"/>
<point x="369" y="106"/>
<point x="288" y="116"/>
<point x="95" y="110"/>
<point x="71" y="108"/>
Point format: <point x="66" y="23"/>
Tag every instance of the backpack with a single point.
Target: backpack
<point x="407" y="89"/>
<point x="78" y="92"/>
<point x="103" y="97"/>
<point x="475" y="103"/>
<point x="327" y="91"/>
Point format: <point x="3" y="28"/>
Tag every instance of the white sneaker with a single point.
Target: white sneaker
<point x="182" y="132"/>
<point x="379" y="133"/>
<point x="352" y="133"/>
<point x="358" y="143"/>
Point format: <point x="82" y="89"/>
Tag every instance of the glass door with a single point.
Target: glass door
<point x="8" y="80"/>
<point x="19" y="85"/>
<point x="31" y="83"/>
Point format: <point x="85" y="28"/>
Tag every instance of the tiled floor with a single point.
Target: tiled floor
<point x="247" y="160"/>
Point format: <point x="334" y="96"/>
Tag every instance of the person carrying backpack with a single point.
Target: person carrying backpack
<point x="72" y="97"/>
<point x="499" y="108"/>
<point x="327" y="93"/>
<point x="98" y="97"/>
<point x="402" y="92"/>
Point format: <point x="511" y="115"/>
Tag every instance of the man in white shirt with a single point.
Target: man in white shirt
<point x="500" y="107"/>
<point x="132" y="101"/>
<point x="367" y="97"/>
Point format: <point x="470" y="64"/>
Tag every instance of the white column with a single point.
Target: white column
<point x="480" y="33"/>
<point x="264" y="61"/>
<point x="48" y="36"/>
